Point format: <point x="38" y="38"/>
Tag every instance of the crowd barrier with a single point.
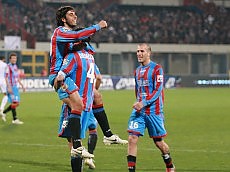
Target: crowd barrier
<point x="108" y="83"/>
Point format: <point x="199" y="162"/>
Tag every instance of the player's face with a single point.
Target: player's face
<point x="143" y="55"/>
<point x="71" y="19"/>
<point x="13" y="59"/>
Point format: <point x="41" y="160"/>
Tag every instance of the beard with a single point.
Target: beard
<point x="71" y="25"/>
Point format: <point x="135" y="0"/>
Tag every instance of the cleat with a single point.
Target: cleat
<point x="3" y="116"/>
<point x="17" y="121"/>
<point x="114" y="139"/>
<point x="171" y="169"/>
<point x="90" y="163"/>
<point x="81" y="151"/>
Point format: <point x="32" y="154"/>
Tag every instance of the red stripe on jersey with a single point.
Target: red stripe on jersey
<point x="147" y="109"/>
<point x="79" y="69"/>
<point x="76" y="35"/>
<point x="157" y="102"/>
<point x="54" y="53"/>
<point x="138" y="78"/>
<point x="11" y="76"/>
<point x="85" y="91"/>
<point x="70" y="66"/>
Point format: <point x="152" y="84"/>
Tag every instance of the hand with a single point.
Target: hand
<point x="138" y="106"/>
<point x="103" y="24"/>
<point x="23" y="89"/>
<point x="9" y="89"/>
<point x="58" y="82"/>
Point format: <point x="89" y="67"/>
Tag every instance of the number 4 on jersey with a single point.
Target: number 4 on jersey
<point x="90" y="73"/>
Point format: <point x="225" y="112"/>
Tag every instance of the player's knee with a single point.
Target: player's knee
<point x="133" y="139"/>
<point x="77" y="106"/>
<point x="97" y="98"/>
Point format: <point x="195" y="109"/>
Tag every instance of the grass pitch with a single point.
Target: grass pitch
<point x="197" y="121"/>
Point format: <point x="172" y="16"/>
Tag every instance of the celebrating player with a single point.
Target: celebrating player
<point x="80" y="67"/>
<point x="61" y="44"/>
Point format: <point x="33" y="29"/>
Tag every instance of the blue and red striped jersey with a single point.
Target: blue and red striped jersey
<point x="81" y="68"/>
<point x="62" y="41"/>
<point x="149" y="87"/>
<point x="12" y="75"/>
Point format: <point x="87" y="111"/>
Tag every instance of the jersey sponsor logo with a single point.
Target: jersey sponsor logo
<point x="86" y="56"/>
<point x="160" y="78"/>
<point x="142" y="83"/>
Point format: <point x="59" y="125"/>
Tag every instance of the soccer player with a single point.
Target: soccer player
<point x="80" y="67"/>
<point x="61" y="44"/>
<point x="148" y="110"/>
<point x="3" y="86"/>
<point x="13" y="79"/>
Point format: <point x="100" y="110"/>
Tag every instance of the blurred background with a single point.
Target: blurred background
<point x="189" y="38"/>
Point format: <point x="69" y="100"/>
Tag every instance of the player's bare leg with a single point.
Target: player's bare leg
<point x="12" y="107"/>
<point x="132" y="152"/>
<point x="164" y="148"/>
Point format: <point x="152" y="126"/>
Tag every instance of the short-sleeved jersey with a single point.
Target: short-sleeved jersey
<point x="81" y="68"/>
<point x="149" y="87"/>
<point x="3" y="70"/>
<point x="62" y="41"/>
<point x="13" y="75"/>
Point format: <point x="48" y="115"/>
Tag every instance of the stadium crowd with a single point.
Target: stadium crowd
<point x="203" y="23"/>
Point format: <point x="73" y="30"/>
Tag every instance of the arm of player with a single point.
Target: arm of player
<point x="98" y="81"/>
<point x="20" y="83"/>
<point x="158" y="80"/>
<point x="64" y="35"/>
<point x="98" y="77"/>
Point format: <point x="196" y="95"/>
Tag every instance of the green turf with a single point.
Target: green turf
<point x="197" y="121"/>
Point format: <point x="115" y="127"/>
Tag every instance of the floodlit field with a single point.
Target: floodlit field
<point x="197" y="121"/>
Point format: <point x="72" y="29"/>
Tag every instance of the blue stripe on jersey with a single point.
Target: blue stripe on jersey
<point x="149" y="87"/>
<point x="77" y="67"/>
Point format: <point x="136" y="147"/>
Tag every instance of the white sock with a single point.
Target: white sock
<point x="4" y="101"/>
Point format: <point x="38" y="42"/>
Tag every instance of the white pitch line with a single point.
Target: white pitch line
<point x="121" y="147"/>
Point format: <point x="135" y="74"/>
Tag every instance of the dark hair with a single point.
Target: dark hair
<point x="2" y="57"/>
<point x="12" y="54"/>
<point x="61" y="13"/>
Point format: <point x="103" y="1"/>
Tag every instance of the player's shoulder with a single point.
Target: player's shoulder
<point x="155" y="65"/>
